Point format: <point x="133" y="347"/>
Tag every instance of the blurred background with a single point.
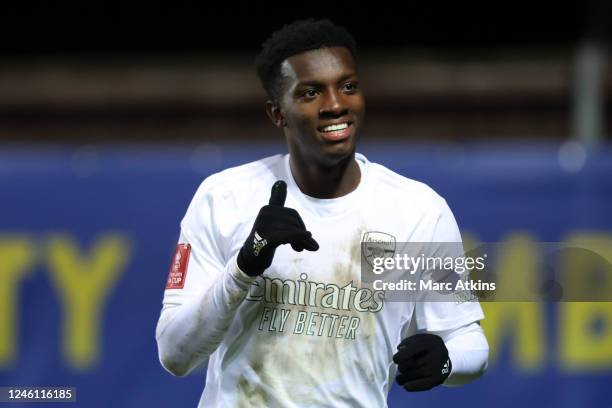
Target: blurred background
<point x="111" y="114"/>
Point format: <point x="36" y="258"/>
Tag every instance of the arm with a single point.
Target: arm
<point x="468" y="351"/>
<point x="188" y="333"/>
<point x="196" y="317"/>
<point x="450" y="347"/>
<point x="450" y="357"/>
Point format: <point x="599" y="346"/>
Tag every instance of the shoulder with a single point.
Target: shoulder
<point x="244" y="174"/>
<point x="416" y="204"/>
<point x="241" y="180"/>
<point x="224" y="200"/>
<point x="389" y="184"/>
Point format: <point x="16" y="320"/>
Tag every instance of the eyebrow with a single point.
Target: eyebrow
<point x="318" y="83"/>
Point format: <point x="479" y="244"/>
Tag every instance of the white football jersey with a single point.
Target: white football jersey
<point x="307" y="334"/>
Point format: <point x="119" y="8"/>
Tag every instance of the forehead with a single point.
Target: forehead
<point x="323" y="64"/>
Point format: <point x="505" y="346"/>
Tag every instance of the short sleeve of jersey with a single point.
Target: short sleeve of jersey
<point x="436" y="316"/>
<point x="207" y="257"/>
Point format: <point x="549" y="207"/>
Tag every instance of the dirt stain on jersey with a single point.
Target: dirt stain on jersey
<point x="250" y="395"/>
<point x="363" y="355"/>
<point x="284" y="366"/>
<point x="302" y="368"/>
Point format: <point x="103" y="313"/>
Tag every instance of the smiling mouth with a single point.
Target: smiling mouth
<point x="336" y="132"/>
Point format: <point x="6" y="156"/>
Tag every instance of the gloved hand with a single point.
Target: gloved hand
<point x="423" y="362"/>
<point x="275" y="225"/>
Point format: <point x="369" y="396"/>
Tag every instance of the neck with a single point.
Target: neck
<point x="320" y="181"/>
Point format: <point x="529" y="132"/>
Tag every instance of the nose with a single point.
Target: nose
<point x="333" y="104"/>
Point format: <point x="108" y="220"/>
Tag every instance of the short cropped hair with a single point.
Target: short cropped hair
<point x="296" y="38"/>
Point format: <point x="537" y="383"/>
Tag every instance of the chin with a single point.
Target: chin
<point x="334" y="154"/>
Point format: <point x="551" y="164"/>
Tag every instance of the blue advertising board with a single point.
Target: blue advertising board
<point x="87" y="234"/>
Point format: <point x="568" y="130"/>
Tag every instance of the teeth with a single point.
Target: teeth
<point x="332" y="128"/>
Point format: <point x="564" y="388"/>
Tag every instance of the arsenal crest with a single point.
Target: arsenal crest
<point x="376" y="244"/>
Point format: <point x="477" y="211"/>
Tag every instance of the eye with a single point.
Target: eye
<point x="309" y="93"/>
<point x="349" y="87"/>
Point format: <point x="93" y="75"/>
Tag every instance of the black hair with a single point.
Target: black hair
<point x="296" y="38"/>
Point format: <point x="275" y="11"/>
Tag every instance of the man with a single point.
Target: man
<point x="289" y="325"/>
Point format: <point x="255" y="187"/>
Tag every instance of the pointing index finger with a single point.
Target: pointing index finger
<point x="278" y="193"/>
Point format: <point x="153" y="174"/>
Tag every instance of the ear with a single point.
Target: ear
<point x="275" y="114"/>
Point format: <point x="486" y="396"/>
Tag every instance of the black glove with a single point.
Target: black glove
<point x="422" y="361"/>
<point x="275" y="225"/>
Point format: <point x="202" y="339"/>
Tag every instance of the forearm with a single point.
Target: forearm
<point x="468" y="351"/>
<point x="187" y="334"/>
